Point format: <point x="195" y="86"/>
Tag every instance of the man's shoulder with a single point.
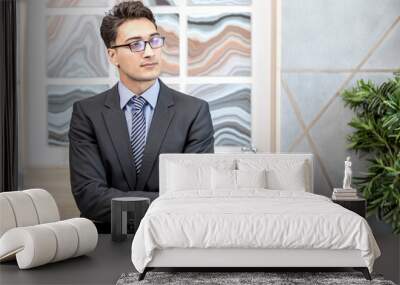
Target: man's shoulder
<point x="95" y="101"/>
<point x="181" y="98"/>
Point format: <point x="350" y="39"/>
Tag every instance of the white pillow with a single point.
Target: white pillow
<point x="193" y="174"/>
<point x="182" y="177"/>
<point x="294" y="180"/>
<point x="227" y="179"/>
<point x="223" y="179"/>
<point x="282" y="174"/>
<point x="251" y="178"/>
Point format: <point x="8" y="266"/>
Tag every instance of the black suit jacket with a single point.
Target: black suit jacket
<point x="100" y="154"/>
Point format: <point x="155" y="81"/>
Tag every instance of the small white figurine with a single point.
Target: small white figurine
<point x="347" y="174"/>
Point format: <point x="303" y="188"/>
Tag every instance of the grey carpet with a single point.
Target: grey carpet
<point x="242" y="278"/>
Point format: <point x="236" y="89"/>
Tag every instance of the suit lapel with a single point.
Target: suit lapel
<point x="115" y="122"/>
<point x="163" y="114"/>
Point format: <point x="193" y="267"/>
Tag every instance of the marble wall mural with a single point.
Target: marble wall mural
<point x="159" y="2"/>
<point x="104" y="3"/>
<point x="230" y="106"/>
<point x="168" y="26"/>
<point x="219" y="2"/>
<point x="75" y="48"/>
<point x="76" y="3"/>
<point x="219" y="45"/>
<point x="60" y="99"/>
<point x="152" y="2"/>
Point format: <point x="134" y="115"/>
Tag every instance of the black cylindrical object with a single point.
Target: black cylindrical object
<point x="120" y="207"/>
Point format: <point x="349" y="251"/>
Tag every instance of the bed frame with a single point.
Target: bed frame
<point x="247" y="259"/>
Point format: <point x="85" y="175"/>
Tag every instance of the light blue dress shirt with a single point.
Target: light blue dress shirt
<point x="151" y="96"/>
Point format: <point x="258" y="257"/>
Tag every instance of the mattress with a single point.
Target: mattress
<point x="251" y="219"/>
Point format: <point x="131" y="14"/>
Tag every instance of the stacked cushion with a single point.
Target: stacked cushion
<point x="41" y="244"/>
<point x="27" y="208"/>
<point x="31" y="232"/>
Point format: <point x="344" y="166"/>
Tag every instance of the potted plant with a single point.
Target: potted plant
<point x="377" y="132"/>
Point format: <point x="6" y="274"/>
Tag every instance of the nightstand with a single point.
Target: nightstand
<point x="358" y="205"/>
<point x="121" y="208"/>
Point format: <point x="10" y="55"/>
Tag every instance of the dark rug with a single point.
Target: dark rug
<point x="229" y="278"/>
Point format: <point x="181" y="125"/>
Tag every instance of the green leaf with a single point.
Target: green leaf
<point x="376" y="131"/>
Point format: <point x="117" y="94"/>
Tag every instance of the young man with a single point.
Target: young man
<point x="116" y="136"/>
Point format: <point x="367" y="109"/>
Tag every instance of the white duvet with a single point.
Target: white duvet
<point x="250" y="218"/>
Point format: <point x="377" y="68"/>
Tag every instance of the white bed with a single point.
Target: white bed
<point x="247" y="210"/>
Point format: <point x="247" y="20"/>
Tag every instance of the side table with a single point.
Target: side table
<point x="120" y="207"/>
<point x="358" y="205"/>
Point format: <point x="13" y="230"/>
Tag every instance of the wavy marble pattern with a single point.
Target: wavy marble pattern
<point x="219" y="45"/>
<point x="75" y="48"/>
<point x="60" y="99"/>
<point x="219" y="2"/>
<point x="152" y="2"/>
<point x="160" y="2"/>
<point x="230" y="106"/>
<point x="76" y="3"/>
<point x="168" y="26"/>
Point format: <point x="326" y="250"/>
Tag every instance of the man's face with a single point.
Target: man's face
<point x="137" y="66"/>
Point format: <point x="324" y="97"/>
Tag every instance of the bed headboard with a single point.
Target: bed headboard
<point x="235" y="159"/>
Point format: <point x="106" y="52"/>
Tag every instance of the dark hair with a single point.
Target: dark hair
<point x="118" y="15"/>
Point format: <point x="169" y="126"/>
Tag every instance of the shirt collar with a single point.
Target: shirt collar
<point x="151" y="94"/>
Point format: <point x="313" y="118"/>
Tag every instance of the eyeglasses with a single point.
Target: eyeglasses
<point x="138" y="46"/>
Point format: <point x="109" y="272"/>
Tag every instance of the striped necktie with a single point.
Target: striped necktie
<point x="138" y="131"/>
